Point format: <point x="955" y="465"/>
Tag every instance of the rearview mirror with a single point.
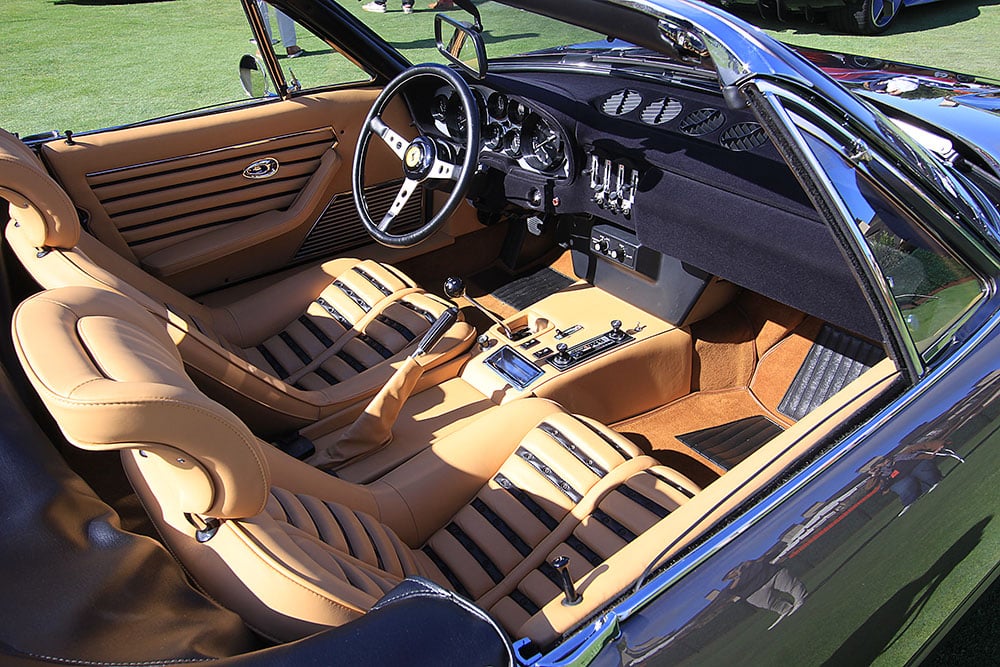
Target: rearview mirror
<point x="461" y="44"/>
<point x="252" y="78"/>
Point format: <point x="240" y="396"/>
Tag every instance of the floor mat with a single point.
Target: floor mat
<point x="835" y="360"/>
<point x="728" y="444"/>
<point x="524" y="291"/>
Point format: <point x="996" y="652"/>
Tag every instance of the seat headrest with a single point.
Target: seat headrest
<point x="38" y="205"/>
<point x="110" y="375"/>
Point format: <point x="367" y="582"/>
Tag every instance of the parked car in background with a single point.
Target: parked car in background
<point x="862" y="17"/>
<point x="668" y="343"/>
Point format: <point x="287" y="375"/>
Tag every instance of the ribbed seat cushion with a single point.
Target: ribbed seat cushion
<point x="366" y="315"/>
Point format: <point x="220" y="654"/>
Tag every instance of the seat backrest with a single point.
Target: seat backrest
<point x="113" y="379"/>
<point x="37" y="203"/>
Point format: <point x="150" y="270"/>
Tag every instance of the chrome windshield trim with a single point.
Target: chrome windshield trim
<point x="859" y="247"/>
<point x="843" y="135"/>
<point x="656" y="586"/>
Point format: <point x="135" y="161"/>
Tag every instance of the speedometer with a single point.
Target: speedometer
<point x="541" y="144"/>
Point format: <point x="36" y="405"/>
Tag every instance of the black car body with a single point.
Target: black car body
<point x="862" y="538"/>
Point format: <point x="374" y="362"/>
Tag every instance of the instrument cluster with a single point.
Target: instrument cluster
<point x="509" y="128"/>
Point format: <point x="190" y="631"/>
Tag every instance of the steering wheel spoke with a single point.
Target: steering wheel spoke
<point x="444" y="170"/>
<point x="403" y="196"/>
<point x="396" y="143"/>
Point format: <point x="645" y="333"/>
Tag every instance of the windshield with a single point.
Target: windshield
<point x="506" y="30"/>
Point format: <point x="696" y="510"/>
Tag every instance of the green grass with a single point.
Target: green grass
<point x="85" y="64"/>
<point x="958" y="35"/>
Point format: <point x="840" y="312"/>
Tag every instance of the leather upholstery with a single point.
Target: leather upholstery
<point x="481" y="512"/>
<point x="35" y="197"/>
<point x="307" y="346"/>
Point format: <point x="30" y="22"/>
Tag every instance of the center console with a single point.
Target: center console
<point x="587" y="349"/>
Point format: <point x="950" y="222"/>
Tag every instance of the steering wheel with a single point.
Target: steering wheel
<point x="421" y="158"/>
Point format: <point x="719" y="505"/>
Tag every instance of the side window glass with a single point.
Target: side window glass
<point x="91" y="65"/>
<point x="86" y="66"/>
<point x="304" y="57"/>
<point x="932" y="288"/>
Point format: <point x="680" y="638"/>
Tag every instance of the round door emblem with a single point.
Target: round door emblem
<point x="264" y="168"/>
<point x="413" y="156"/>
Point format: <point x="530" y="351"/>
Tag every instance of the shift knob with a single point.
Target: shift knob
<point x="454" y="287"/>
<point x="562" y="353"/>
<point x="616" y="330"/>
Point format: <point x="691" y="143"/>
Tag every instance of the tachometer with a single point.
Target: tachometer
<point x="439" y="107"/>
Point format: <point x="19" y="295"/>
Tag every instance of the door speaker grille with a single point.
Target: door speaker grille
<point x="340" y="228"/>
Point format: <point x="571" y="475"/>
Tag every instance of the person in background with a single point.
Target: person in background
<point x="286" y="29"/>
<point x="446" y="5"/>
<point x="378" y="6"/>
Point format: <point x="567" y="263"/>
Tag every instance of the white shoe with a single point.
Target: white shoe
<point x="374" y="7"/>
<point x="407" y="9"/>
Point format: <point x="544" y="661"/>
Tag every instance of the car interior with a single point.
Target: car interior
<point x="634" y="324"/>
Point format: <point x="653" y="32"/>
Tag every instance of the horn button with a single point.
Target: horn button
<point x="418" y="158"/>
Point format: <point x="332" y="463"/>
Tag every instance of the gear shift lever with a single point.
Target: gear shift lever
<point x="454" y="288"/>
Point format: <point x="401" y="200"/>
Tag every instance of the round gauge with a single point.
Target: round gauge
<point x="439" y="107"/>
<point x="496" y="105"/>
<point x="455" y="117"/>
<point x="512" y="143"/>
<point x="493" y="136"/>
<point x="542" y="144"/>
<point x="480" y="101"/>
<point x="516" y="112"/>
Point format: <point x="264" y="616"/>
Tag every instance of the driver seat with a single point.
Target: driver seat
<point x="307" y="346"/>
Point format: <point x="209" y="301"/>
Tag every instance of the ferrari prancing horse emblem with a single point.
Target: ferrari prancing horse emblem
<point x="412" y="157"/>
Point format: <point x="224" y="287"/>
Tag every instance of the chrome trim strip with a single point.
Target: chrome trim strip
<point x="214" y="151"/>
<point x="646" y="593"/>
<point x="860" y="247"/>
<point x="987" y="287"/>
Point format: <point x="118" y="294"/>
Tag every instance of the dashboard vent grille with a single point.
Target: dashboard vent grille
<point x="702" y="121"/>
<point x="660" y="111"/>
<point x="743" y="137"/>
<point x="621" y="102"/>
<point x="340" y="228"/>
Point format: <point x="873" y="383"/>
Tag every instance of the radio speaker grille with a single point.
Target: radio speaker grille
<point x="340" y="228"/>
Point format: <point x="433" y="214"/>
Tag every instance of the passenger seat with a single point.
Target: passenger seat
<point x="483" y="512"/>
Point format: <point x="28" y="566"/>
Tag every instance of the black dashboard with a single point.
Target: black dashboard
<point x="676" y="169"/>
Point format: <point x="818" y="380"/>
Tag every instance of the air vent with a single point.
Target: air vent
<point x="660" y="111"/>
<point x="702" y="122"/>
<point x="340" y="228"/>
<point x="743" y="137"/>
<point x="621" y="102"/>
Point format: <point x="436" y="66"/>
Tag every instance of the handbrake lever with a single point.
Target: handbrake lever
<point x="433" y="335"/>
<point x="372" y="429"/>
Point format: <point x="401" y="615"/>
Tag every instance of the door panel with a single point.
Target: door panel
<point x="173" y="198"/>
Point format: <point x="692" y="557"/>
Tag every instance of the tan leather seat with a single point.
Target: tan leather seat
<point x="305" y="347"/>
<point x="482" y="512"/>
